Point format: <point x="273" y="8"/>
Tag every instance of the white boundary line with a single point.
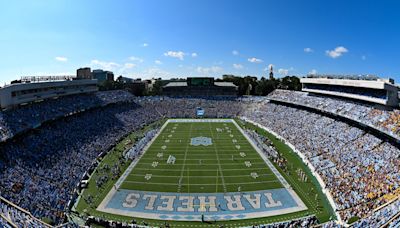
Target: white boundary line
<point x="310" y="166"/>
<point x="110" y="194"/>
<point x="301" y="206"/>
<point x="273" y="169"/>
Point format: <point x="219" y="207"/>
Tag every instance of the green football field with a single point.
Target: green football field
<point x="198" y="169"/>
<point x="226" y="164"/>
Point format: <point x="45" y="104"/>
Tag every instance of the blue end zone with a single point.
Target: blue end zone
<point x="213" y="206"/>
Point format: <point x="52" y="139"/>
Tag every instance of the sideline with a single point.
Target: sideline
<point x="305" y="161"/>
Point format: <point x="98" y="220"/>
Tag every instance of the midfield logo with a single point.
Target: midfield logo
<point x="201" y="141"/>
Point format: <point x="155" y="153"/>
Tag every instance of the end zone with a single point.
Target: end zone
<point x="199" y="206"/>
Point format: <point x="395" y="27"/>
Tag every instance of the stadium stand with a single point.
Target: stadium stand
<point x="357" y="167"/>
<point x="384" y="120"/>
<point x="14" y="216"/>
<point x="382" y="216"/>
<point x="41" y="168"/>
<point x="14" y="121"/>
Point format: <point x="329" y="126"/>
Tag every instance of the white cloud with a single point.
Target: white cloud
<point x="194" y="54"/>
<point x="145" y="44"/>
<point x="61" y="59"/>
<point x="235" y="52"/>
<point x="208" y="70"/>
<point x="254" y="60"/>
<point x="237" y="66"/>
<point x="283" y="72"/>
<point x="117" y="68"/>
<point x="313" y="72"/>
<point x="129" y="65"/>
<point x="308" y="50"/>
<point x="136" y="59"/>
<point x="337" y="52"/>
<point x="155" y="73"/>
<point x="175" y="54"/>
<point x="363" y="57"/>
<point x="268" y="67"/>
<point x="158" y="62"/>
<point x="104" y="65"/>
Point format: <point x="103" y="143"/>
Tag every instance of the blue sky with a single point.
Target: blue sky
<point x="176" y="38"/>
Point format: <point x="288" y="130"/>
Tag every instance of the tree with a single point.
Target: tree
<point x="290" y="83"/>
<point x="157" y="88"/>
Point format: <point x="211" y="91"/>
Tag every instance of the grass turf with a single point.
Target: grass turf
<point x="218" y="167"/>
<point x="318" y="206"/>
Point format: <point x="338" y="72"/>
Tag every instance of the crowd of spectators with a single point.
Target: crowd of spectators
<point x="186" y="107"/>
<point x="14" y="121"/>
<point x="380" y="217"/>
<point x="357" y="167"/>
<point x="300" y="223"/>
<point x="395" y="223"/>
<point x="40" y="169"/>
<point x="138" y="147"/>
<point x="11" y="216"/>
<point x="267" y="148"/>
<point x="387" y="121"/>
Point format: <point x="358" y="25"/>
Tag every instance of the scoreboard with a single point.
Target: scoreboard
<point x="200" y="112"/>
<point x="200" y="81"/>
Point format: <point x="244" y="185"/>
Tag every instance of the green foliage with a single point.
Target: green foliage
<point x="157" y="88"/>
<point x="110" y="85"/>
<point x="250" y="85"/>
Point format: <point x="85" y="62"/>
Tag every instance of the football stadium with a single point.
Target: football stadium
<point x="199" y="114"/>
<point x="326" y="157"/>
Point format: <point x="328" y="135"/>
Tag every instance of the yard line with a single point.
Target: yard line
<point x="196" y="159"/>
<point x="202" y="176"/>
<point x="241" y="183"/>
<point x="184" y="159"/>
<point x="179" y="151"/>
<point x="205" y="164"/>
<point x="219" y="164"/>
<point x="194" y="170"/>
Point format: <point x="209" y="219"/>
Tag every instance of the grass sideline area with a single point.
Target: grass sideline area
<point x="306" y="190"/>
<point x="217" y="167"/>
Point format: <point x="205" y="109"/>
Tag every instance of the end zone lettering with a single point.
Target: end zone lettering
<point x="200" y="203"/>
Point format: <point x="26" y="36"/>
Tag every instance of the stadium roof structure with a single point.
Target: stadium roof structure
<point x="350" y="77"/>
<point x="179" y="84"/>
<point x="380" y="91"/>
<point x="173" y="84"/>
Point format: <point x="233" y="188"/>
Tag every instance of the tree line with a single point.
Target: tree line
<point x="248" y="85"/>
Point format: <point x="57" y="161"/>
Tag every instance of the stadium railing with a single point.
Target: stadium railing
<point x="27" y="213"/>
